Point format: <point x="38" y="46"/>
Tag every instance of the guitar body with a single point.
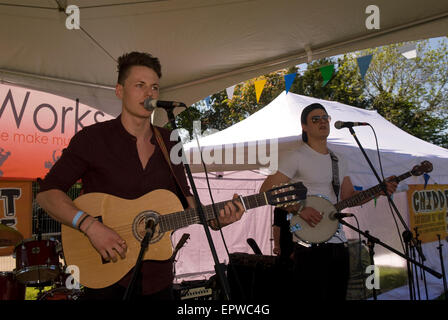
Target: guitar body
<point x="324" y="230"/>
<point x="118" y="214"/>
<point x="129" y="218"/>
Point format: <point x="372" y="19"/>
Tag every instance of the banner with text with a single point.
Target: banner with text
<point x="35" y="127"/>
<point x="16" y="199"/>
<point x="428" y="210"/>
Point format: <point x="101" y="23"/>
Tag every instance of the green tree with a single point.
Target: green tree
<point x="346" y="85"/>
<point x="412" y="94"/>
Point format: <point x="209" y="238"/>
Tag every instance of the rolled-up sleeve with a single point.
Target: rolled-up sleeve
<point x="70" y="167"/>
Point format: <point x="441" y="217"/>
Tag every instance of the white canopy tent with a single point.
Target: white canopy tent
<point x="204" y="45"/>
<point x="280" y="121"/>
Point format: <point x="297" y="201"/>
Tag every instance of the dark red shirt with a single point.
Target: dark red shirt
<point x="105" y="157"/>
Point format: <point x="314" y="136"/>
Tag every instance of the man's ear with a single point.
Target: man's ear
<point x="119" y="91"/>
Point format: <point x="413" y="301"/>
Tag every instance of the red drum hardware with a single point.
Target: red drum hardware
<point x="37" y="261"/>
<point x="60" y="293"/>
<point x="10" y="287"/>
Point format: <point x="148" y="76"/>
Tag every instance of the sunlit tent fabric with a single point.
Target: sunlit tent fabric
<point x="280" y="121"/>
<point x="204" y="45"/>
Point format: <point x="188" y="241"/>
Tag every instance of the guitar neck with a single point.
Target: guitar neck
<point x="188" y="217"/>
<point x="367" y="194"/>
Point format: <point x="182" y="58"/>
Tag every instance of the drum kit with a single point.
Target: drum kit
<point x="37" y="265"/>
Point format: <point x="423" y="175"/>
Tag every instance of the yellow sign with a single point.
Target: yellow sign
<point x="16" y="208"/>
<point x="428" y="210"/>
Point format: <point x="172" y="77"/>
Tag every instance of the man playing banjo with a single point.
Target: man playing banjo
<point x="321" y="270"/>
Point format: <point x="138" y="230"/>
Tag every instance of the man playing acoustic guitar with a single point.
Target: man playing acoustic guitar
<point x="124" y="158"/>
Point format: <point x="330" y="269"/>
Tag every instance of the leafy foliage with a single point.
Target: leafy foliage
<point x="411" y="93"/>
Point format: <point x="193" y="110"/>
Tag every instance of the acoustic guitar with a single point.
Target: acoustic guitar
<point x="128" y="218"/>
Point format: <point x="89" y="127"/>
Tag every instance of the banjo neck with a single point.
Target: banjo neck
<point x="367" y="194"/>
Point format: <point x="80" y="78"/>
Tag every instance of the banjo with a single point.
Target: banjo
<point x="329" y="224"/>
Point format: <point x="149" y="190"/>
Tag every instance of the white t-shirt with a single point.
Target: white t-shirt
<point x="314" y="170"/>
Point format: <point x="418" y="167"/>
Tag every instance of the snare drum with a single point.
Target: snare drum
<point x="60" y="293"/>
<point x="37" y="261"/>
<point x="11" y="289"/>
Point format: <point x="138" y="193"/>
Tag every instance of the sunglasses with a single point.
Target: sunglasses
<point x="316" y="119"/>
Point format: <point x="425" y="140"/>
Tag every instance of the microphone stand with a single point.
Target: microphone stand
<point x="445" y="289"/>
<point x="374" y="240"/>
<point x="422" y="272"/>
<point x="371" y="245"/>
<point x="407" y="234"/>
<point x="138" y="265"/>
<point x="219" y="267"/>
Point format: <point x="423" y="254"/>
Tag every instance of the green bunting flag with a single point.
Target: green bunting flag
<point x="327" y="73"/>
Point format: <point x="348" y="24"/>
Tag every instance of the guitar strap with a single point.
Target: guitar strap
<point x="162" y="146"/>
<point x="335" y="170"/>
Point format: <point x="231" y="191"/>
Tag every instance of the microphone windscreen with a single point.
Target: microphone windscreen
<point x="150" y="104"/>
<point x="338" y="124"/>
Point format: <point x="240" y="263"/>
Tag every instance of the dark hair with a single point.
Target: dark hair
<point x="305" y="114"/>
<point x="128" y="60"/>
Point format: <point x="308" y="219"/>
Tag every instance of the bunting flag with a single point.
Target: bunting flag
<point x="207" y="101"/>
<point x="327" y="73"/>
<point x="230" y="91"/>
<point x="409" y="51"/>
<point x="426" y="177"/>
<point x="289" y="79"/>
<point x="259" y="86"/>
<point x="363" y="64"/>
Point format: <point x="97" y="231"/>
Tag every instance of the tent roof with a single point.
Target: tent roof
<point x="204" y="45"/>
<point x="281" y="120"/>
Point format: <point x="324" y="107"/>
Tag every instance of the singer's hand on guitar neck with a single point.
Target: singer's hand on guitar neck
<point x="232" y="212"/>
<point x="106" y="241"/>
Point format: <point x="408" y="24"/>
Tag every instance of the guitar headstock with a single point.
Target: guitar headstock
<point x="422" y="168"/>
<point x="286" y="194"/>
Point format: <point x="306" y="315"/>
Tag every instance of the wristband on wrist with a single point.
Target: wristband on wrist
<point x="88" y="226"/>
<point x="82" y="220"/>
<point x="76" y="218"/>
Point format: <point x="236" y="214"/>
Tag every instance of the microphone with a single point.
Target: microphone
<point x="251" y="242"/>
<point x="348" y="124"/>
<point x="340" y="215"/>
<point x="151" y="222"/>
<point x="150" y="104"/>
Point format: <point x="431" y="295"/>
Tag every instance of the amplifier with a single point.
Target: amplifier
<point x="195" y="290"/>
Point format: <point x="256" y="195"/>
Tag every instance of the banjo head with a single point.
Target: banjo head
<point x="324" y="230"/>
